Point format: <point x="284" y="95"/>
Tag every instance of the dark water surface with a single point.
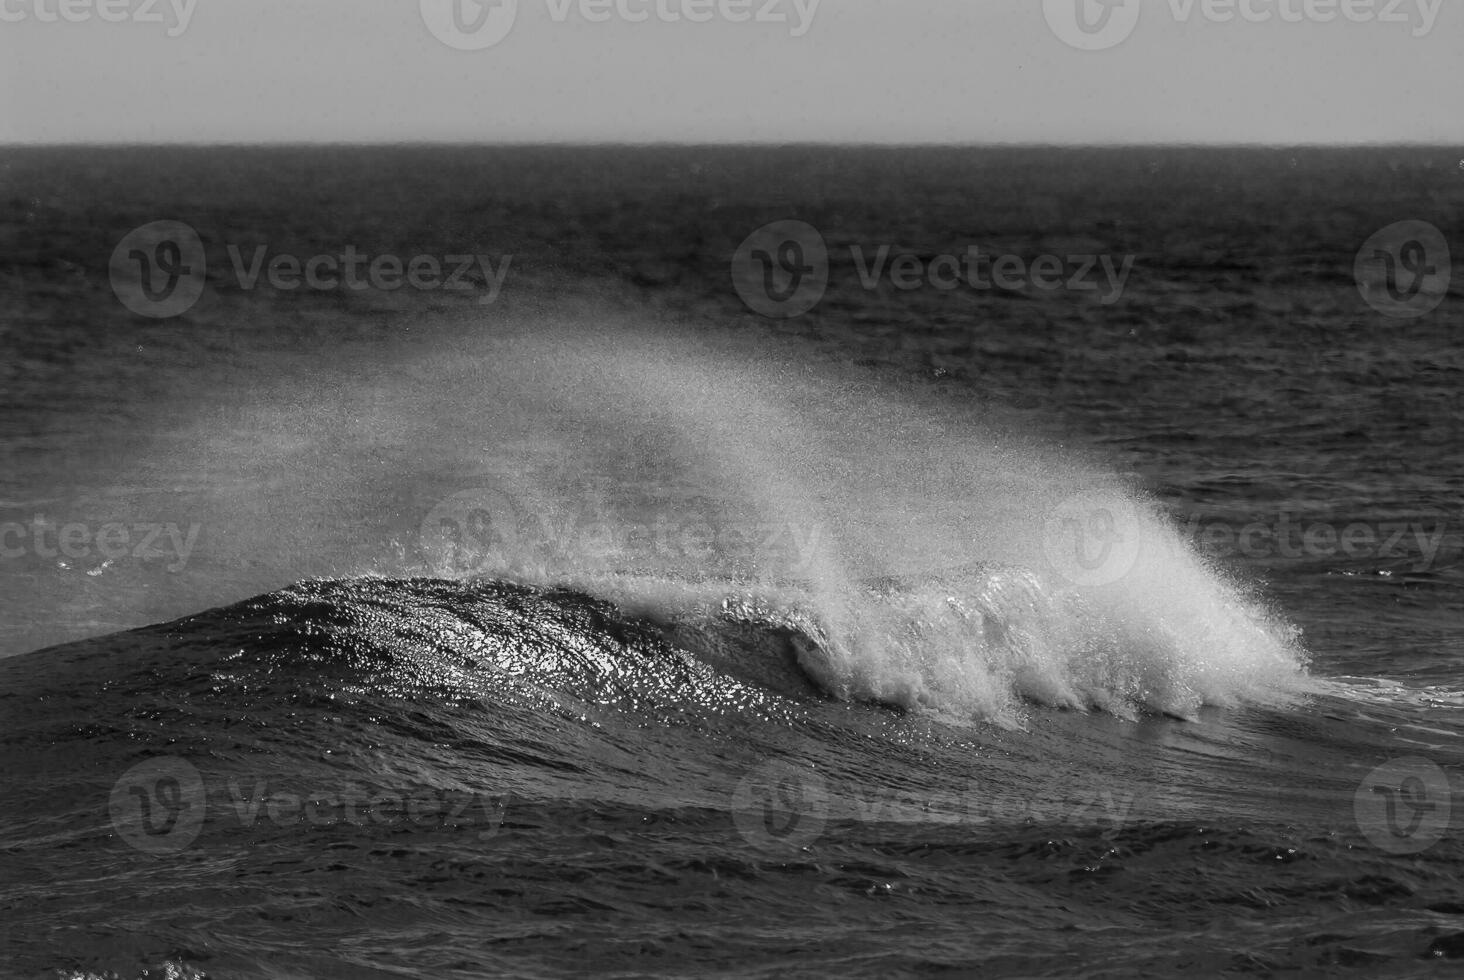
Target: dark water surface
<point x="585" y="619"/>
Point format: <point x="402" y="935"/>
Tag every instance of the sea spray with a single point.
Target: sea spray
<point x="924" y="551"/>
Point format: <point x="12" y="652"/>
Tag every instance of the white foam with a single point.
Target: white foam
<point x="978" y="614"/>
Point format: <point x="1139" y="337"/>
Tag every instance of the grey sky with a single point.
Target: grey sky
<point x="858" y="70"/>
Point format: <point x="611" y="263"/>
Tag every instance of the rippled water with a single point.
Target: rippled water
<point x="612" y="626"/>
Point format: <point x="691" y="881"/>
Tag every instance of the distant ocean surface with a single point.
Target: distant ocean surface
<point x="746" y="562"/>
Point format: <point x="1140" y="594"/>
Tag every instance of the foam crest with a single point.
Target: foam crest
<point x="945" y="562"/>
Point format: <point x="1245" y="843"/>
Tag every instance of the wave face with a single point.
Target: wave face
<point x="700" y="631"/>
<point x="696" y="618"/>
<point x="368" y="776"/>
<point x="927" y="560"/>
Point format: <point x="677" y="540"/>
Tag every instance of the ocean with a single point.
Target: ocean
<point x="458" y="561"/>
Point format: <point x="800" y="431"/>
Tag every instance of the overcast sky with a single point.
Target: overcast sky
<point x="848" y="70"/>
